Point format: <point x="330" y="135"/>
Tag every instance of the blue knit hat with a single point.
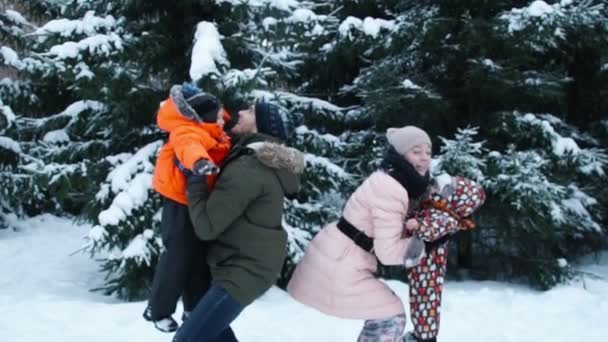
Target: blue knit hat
<point x="270" y="121"/>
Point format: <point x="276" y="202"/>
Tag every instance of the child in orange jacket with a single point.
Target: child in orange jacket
<point x="197" y="144"/>
<point x="197" y="139"/>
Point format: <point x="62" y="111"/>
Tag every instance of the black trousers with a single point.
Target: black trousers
<point x="182" y="268"/>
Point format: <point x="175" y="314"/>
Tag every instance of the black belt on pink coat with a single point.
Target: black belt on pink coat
<point x="356" y="235"/>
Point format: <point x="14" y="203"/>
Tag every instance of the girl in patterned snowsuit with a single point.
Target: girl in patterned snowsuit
<point x="444" y="214"/>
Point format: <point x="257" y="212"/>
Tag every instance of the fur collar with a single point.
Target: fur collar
<point x="279" y="157"/>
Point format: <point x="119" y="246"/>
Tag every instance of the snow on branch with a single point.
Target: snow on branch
<point x="131" y="181"/>
<point x="522" y="181"/>
<point x="297" y="239"/>
<point x="290" y="97"/>
<point x="99" y="44"/>
<point x="207" y="52"/>
<point x="542" y="16"/>
<point x="462" y="155"/>
<point x="138" y="249"/>
<point x="333" y="140"/>
<point x="285" y="5"/>
<point x="520" y="18"/>
<point x="304" y="15"/>
<point x="89" y="25"/>
<point x="16" y="17"/>
<point x="73" y="111"/>
<point x="280" y="56"/>
<point x="588" y="160"/>
<point x="326" y="164"/>
<point x="8" y="114"/>
<point x="10" y="144"/>
<point x="11" y="58"/>
<point x="370" y="26"/>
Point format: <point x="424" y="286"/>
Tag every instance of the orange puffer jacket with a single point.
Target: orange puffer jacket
<point x="190" y="139"/>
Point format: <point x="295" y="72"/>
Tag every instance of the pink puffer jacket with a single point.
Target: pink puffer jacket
<point x="336" y="276"/>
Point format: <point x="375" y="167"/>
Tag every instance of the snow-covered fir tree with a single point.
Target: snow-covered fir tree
<point x="449" y="64"/>
<point x="78" y="133"/>
<point x="81" y="106"/>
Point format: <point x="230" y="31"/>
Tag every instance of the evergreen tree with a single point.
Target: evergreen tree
<point x="543" y="208"/>
<point x="78" y="133"/>
<point x="83" y="105"/>
<point x="449" y="64"/>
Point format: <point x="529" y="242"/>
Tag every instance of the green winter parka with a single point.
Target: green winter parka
<point x="242" y="215"/>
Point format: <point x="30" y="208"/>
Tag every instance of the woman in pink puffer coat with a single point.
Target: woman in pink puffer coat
<point x="336" y="275"/>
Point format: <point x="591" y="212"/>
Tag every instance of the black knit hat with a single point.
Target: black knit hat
<point x="269" y="120"/>
<point x="205" y="105"/>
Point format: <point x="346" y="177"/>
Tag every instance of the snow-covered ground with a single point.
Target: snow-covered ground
<point x="44" y="297"/>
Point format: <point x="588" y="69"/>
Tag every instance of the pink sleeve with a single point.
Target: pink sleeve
<point x="388" y="203"/>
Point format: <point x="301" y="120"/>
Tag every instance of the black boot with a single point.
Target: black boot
<point x="165" y="324"/>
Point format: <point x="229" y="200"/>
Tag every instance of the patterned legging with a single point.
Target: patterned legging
<point x="426" y="286"/>
<point x="383" y="330"/>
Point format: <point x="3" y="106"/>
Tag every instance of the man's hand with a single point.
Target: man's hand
<point x="204" y="167"/>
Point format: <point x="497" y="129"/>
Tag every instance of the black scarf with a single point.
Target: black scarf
<point x="404" y="172"/>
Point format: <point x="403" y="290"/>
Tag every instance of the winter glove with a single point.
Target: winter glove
<point x="205" y="167"/>
<point x="436" y="224"/>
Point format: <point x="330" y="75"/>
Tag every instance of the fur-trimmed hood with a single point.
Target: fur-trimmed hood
<point x="182" y="105"/>
<point x="287" y="162"/>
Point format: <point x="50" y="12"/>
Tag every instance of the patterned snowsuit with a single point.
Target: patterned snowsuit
<point x="442" y="216"/>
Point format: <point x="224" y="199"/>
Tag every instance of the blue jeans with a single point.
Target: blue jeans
<point x="210" y="320"/>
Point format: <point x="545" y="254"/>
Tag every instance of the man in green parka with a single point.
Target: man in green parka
<point x="241" y="218"/>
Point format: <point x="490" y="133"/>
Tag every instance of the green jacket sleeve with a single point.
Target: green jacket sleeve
<point x="212" y="213"/>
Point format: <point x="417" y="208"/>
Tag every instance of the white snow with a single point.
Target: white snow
<point x="8" y="114"/>
<point x="268" y="22"/>
<point x="563" y="145"/>
<point x="408" y="84"/>
<point x="56" y="137"/>
<point x="130" y="181"/>
<point x="83" y="71"/>
<point x="291" y="97"/>
<point x="370" y="26"/>
<point x="10" y="144"/>
<point x="326" y="164"/>
<point x="44" y="296"/>
<point x="520" y="18"/>
<point x="330" y="138"/>
<point x="539" y="8"/>
<point x="89" y="25"/>
<point x="490" y="64"/>
<point x="15" y="17"/>
<point x="284" y="5"/>
<point x="207" y="51"/>
<point x="10" y="57"/>
<point x="97" y="233"/>
<point x="302" y="15"/>
<point x="137" y="248"/>
<point x="100" y="44"/>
